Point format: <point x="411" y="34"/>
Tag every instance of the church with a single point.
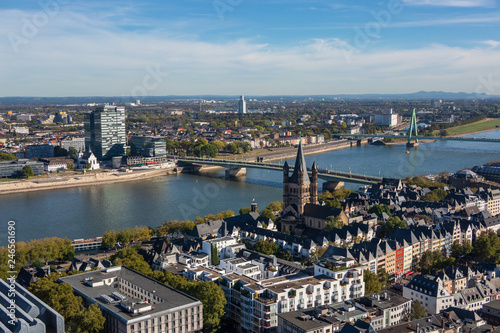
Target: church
<point x="301" y="209"/>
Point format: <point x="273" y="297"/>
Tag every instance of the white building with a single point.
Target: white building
<point x="87" y="157"/>
<point x="430" y="292"/>
<point x="219" y="243"/>
<point x="387" y="118"/>
<point x="242" y="105"/>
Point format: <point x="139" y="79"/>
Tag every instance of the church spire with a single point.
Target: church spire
<point x="300" y="170"/>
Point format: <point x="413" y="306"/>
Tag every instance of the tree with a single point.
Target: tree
<point x="87" y="320"/>
<point x="214" y="301"/>
<point x="458" y="250"/>
<point x="271" y="209"/>
<point x="333" y="222"/>
<point x="27" y="171"/>
<point x="215" y="256"/>
<point x="487" y="247"/>
<point x="60" y="152"/>
<point x="417" y="310"/>
<point x="436" y="195"/>
<point x="59" y="296"/>
<point x="372" y="282"/>
<point x="379" y="209"/>
<point x="232" y="148"/>
<point x="430" y="260"/>
<point x="7" y="157"/>
<point x="130" y="258"/>
<point x="383" y="277"/>
<point x="285" y="255"/>
<point x="88" y="166"/>
<point x="109" y="239"/>
<point x="73" y="153"/>
<point x="245" y="210"/>
<point x="390" y="225"/>
<point x="245" y="146"/>
<point x="70" y="166"/>
<point x="266" y="247"/>
<point x="218" y="144"/>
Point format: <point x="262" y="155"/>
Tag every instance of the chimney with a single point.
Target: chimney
<point x="254" y="207"/>
<point x="442" y="323"/>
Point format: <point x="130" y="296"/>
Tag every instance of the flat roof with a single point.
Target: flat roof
<point x="172" y="299"/>
<point x="306" y="320"/>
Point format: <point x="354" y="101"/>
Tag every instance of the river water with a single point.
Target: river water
<point x="84" y="212"/>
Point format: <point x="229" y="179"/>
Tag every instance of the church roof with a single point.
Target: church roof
<point x="300" y="166"/>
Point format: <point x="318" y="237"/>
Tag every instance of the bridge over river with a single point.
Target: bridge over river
<point x="238" y="168"/>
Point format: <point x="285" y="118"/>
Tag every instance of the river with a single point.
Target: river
<point x="84" y="212"/>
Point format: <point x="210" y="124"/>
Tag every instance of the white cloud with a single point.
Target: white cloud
<point x="452" y="3"/>
<point x="491" y="43"/>
<point x="76" y="55"/>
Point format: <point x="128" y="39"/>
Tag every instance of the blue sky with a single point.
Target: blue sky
<point x="251" y="47"/>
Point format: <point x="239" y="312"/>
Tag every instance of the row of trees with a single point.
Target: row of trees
<point x="185" y="227"/>
<point x="34" y="253"/>
<point x="202" y="148"/>
<point x="136" y="234"/>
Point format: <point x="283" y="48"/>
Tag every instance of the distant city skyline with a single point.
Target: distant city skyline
<point x="299" y="47"/>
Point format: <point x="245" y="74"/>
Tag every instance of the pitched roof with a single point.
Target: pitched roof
<point x="300" y="166"/>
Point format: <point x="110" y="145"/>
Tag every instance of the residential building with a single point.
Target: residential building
<point x="386" y="309"/>
<point x="77" y="143"/>
<point x="430" y="292"/>
<point x="105" y="131"/>
<point x="491" y="312"/>
<point x="56" y="163"/>
<point x="91" y="244"/>
<point x="318" y="320"/>
<point x="219" y="244"/>
<point x="132" y="302"/>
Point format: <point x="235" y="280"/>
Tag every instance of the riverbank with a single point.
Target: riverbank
<point x="75" y="181"/>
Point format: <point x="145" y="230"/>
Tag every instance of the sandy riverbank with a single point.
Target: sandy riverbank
<point x="78" y="180"/>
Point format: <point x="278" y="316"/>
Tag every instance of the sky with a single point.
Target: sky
<point x="55" y="48"/>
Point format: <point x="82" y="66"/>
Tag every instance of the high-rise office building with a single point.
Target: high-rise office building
<point x="242" y="105"/>
<point x="105" y="131"/>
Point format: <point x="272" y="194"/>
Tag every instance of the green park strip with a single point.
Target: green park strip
<point x="479" y="126"/>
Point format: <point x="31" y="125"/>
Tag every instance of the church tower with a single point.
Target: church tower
<point x="299" y="189"/>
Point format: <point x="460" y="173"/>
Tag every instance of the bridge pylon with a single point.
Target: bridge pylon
<point x="413" y="130"/>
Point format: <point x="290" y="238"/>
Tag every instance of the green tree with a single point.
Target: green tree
<point x="271" y="209"/>
<point x="218" y="144"/>
<point x="333" y="222"/>
<point x="130" y="258"/>
<point x="214" y="301"/>
<point x="245" y="210"/>
<point x="59" y="296"/>
<point x="436" y="195"/>
<point x="87" y="320"/>
<point x="245" y="146"/>
<point x="390" y="225"/>
<point x="383" y="277"/>
<point x="73" y="153"/>
<point x="379" y="209"/>
<point x="209" y="150"/>
<point x="27" y="171"/>
<point x="417" y="310"/>
<point x="7" y="157"/>
<point x="109" y="239"/>
<point x="285" y="255"/>
<point x="487" y="247"/>
<point x="458" y="249"/>
<point x="430" y="260"/>
<point x="70" y="166"/>
<point x="60" y="152"/>
<point x="266" y="247"/>
<point x="88" y="166"/>
<point x="232" y="148"/>
<point x="372" y="282"/>
<point x="215" y="256"/>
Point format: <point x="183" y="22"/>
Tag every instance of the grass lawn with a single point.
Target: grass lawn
<point x="484" y="125"/>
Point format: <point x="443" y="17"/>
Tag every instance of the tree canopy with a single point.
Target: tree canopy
<point x="392" y="223"/>
<point x="333" y="222"/>
<point x="266" y="247"/>
<point x="379" y="209"/>
<point x="372" y="282"/>
<point x="487" y="247"/>
<point x="417" y="310"/>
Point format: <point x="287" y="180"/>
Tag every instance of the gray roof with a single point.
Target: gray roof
<point x="171" y="299"/>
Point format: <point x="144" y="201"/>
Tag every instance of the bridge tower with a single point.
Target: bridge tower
<point x="413" y="128"/>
